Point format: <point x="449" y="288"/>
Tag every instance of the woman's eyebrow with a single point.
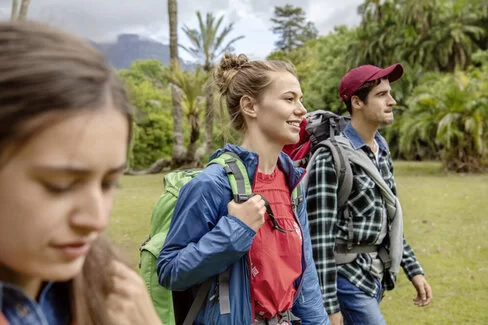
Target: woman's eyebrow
<point x="73" y="170"/>
<point x="294" y="93"/>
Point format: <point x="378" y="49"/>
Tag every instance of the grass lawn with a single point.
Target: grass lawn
<point x="443" y="221"/>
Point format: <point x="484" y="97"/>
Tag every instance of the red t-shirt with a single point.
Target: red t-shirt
<point x="275" y="258"/>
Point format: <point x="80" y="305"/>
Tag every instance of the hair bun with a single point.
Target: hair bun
<point x="229" y="65"/>
<point x="233" y="62"/>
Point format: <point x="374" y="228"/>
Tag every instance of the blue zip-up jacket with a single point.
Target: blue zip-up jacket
<point x="204" y="240"/>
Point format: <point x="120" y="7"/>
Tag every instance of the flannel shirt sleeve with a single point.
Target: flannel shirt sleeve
<point x="409" y="263"/>
<point x="322" y="213"/>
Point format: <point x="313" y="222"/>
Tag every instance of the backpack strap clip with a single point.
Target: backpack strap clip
<point x="297" y="197"/>
<point x="241" y="198"/>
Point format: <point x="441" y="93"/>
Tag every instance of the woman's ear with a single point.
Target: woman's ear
<point x="248" y="106"/>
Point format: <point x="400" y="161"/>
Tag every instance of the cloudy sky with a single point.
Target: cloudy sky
<point x="103" y="20"/>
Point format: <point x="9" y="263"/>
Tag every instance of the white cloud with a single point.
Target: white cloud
<point x="104" y="20"/>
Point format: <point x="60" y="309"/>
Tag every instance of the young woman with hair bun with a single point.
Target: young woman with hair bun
<point x="272" y="276"/>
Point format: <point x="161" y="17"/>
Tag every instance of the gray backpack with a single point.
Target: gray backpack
<point x="322" y="128"/>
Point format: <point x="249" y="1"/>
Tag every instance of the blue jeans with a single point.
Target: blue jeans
<point x="358" y="308"/>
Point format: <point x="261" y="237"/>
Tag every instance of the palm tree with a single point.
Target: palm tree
<point x="453" y="40"/>
<point x="190" y="86"/>
<point x="371" y="10"/>
<point x="438" y="35"/>
<point x="481" y="9"/>
<point x="449" y="112"/>
<point x="208" y="42"/>
<point x="463" y="128"/>
<point x="419" y="14"/>
<point x="178" y="154"/>
<point x="418" y="124"/>
<point x="443" y="35"/>
<point x="379" y="36"/>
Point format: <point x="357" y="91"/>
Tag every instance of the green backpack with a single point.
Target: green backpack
<point x="163" y="299"/>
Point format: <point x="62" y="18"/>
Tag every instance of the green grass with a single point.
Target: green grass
<point x="129" y="223"/>
<point x="445" y="221"/>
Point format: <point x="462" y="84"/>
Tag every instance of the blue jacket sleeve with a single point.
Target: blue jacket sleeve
<point x="309" y="305"/>
<point x="203" y="240"/>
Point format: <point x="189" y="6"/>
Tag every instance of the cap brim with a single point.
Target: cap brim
<point x="393" y="72"/>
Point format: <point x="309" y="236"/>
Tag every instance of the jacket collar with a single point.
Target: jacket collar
<point x="251" y="161"/>
<point x="357" y="142"/>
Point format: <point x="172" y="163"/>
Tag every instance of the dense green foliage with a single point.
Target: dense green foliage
<point x="442" y="44"/>
<point x="448" y="114"/>
<point x="442" y="98"/>
<point x="152" y="129"/>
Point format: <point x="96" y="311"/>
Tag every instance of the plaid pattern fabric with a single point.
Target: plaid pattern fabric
<point x="366" y="207"/>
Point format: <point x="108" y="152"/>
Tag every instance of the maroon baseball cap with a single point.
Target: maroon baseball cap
<point x="355" y="78"/>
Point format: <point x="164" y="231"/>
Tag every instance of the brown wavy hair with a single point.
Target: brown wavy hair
<point x="43" y="70"/>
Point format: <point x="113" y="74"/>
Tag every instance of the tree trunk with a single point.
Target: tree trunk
<point x="173" y="33"/>
<point x="179" y="150"/>
<point x="178" y="154"/>
<point x="24" y="7"/>
<point x="207" y="142"/>
<point x="194" y="136"/>
<point x="15" y="9"/>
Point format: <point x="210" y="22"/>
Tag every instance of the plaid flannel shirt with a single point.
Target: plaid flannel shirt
<point x="366" y="206"/>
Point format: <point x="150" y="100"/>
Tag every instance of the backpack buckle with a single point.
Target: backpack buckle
<point x="241" y="198"/>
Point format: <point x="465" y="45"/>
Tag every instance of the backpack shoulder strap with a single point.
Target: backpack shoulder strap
<point x="241" y="191"/>
<point x="198" y="301"/>
<point x="237" y="174"/>
<point x="342" y="167"/>
<point x="343" y="170"/>
<point x="361" y="159"/>
<point x="344" y="180"/>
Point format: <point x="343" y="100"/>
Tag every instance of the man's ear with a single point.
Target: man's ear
<point x="248" y="106"/>
<point x="356" y="102"/>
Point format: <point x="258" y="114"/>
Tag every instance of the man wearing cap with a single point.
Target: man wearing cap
<point x="353" y="283"/>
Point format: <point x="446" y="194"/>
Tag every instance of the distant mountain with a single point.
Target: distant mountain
<point x="131" y="47"/>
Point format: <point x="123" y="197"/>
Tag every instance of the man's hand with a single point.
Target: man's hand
<point x="424" y="291"/>
<point x="336" y="319"/>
